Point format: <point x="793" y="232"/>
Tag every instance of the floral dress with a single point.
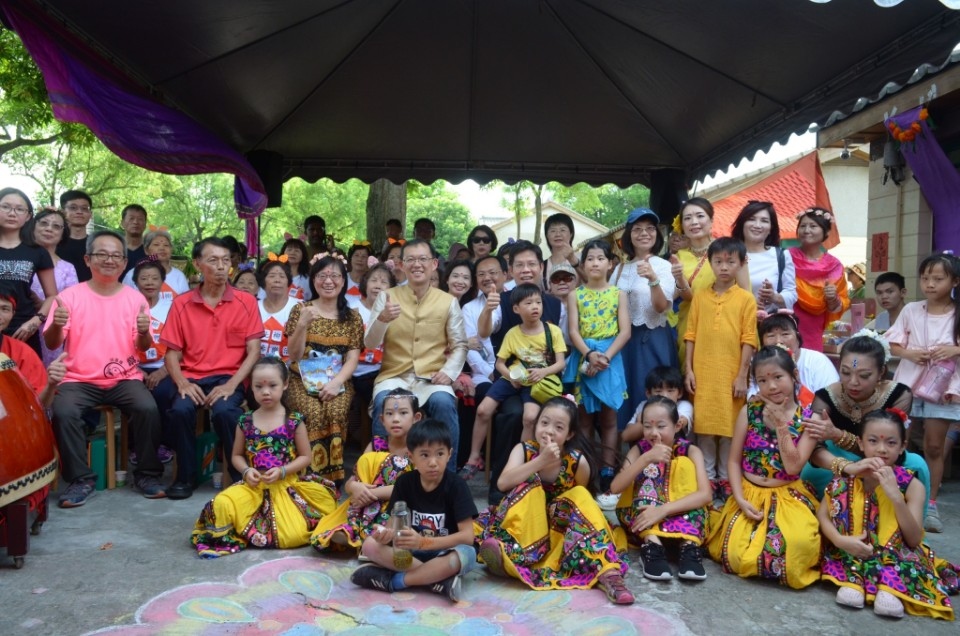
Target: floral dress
<point x="658" y="484"/>
<point x="277" y="515"/>
<point x="553" y="536"/>
<point x="379" y="467"/>
<point x="785" y="544"/>
<point x="913" y="575"/>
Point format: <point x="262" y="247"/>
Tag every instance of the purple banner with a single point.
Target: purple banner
<point x="938" y="179"/>
<point x="135" y="127"/>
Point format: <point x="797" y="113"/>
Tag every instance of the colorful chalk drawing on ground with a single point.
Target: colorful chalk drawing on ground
<point x="304" y="596"/>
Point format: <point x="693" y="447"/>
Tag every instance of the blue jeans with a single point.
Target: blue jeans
<point x="441" y="406"/>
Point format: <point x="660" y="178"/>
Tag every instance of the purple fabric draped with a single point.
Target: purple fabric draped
<point x="131" y="124"/>
<point x="938" y="179"/>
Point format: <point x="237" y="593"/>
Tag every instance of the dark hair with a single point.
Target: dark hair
<point x="866" y="346"/>
<point x="525" y="246"/>
<point x="268" y="265"/>
<point x="385" y="256"/>
<point x="313" y="218"/>
<point x="72" y="195"/>
<point x="783" y="322"/>
<point x="626" y="244"/>
<point x="232" y="244"/>
<point x="304" y="267"/>
<point x="727" y="245"/>
<point x="379" y="267"/>
<point x="212" y="241"/>
<point x="8" y="293"/>
<point x="471" y="293"/>
<point x="597" y="244"/>
<point x="951" y="267"/>
<point x="523" y="291"/>
<point x="343" y="311"/>
<point x="506" y="253"/>
<point x="886" y="415"/>
<point x="394" y="222"/>
<point x="500" y="261"/>
<point x="102" y="233"/>
<point x="8" y="191"/>
<point x="578" y="442"/>
<point x="424" y="221"/>
<point x="777" y="355"/>
<point x="145" y="264"/>
<point x="750" y="210"/>
<point x="559" y="219"/>
<point x="28" y="236"/>
<point x="700" y="202"/>
<point x="241" y="272"/>
<point x="486" y="230"/>
<point x="136" y="207"/>
<point x="817" y="216"/>
<point x="667" y="376"/>
<point x="428" y="432"/>
<point x="353" y="250"/>
<point x="665" y="402"/>
<point x="415" y="243"/>
<point x="891" y="277"/>
<point x="404" y="394"/>
<point x="280" y="365"/>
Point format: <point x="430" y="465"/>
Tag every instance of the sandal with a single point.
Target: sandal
<point x="469" y="470"/>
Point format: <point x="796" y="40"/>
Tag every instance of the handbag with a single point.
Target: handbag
<point x="550" y="386"/>
<point x="935" y="381"/>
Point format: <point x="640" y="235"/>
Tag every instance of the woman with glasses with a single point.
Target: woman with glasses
<point x="481" y="242"/>
<point x="559" y="231"/>
<point x="324" y="339"/>
<point x="649" y="286"/>
<point x="20" y="259"/>
<point x="773" y="277"/>
<point x="48" y="229"/>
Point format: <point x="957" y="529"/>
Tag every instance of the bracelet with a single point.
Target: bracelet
<point x="654" y="283"/>
<point x="838" y="464"/>
<point x="243" y="475"/>
<point x="42" y="317"/>
<point x="586" y="356"/>
<point x="283" y="472"/>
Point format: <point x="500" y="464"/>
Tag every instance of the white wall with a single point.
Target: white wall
<point x="849" y="188"/>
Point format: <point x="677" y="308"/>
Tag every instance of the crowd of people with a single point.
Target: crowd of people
<point x="666" y="389"/>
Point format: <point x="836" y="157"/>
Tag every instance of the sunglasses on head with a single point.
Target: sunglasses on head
<point x="481" y="239"/>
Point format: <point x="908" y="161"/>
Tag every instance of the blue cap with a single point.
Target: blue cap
<point x="640" y="213"/>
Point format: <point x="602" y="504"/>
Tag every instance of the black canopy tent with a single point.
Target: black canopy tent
<point x="595" y="91"/>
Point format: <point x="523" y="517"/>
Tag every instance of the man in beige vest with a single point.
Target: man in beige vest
<point x="424" y="343"/>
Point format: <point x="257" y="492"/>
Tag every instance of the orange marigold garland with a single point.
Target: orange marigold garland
<point x="911" y="132"/>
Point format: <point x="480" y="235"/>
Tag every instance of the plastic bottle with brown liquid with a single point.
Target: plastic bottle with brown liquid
<point x="400" y="520"/>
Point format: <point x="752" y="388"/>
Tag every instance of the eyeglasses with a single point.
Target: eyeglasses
<point x="640" y="229"/>
<point x="50" y="226"/>
<point x="417" y="260"/>
<point x="19" y="209"/>
<point x="481" y="239"/>
<point x="77" y="208"/>
<point x="103" y="256"/>
<point x="322" y="276"/>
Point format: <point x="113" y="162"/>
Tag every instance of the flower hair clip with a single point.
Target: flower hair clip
<point x="677" y="225"/>
<point x="280" y="259"/>
<point x="825" y="214"/>
<point x="780" y="345"/>
<point x="895" y="411"/>
<point x="148" y="259"/>
<point x="569" y="396"/>
<point x="245" y="267"/>
<point x="870" y="333"/>
<point x="322" y="255"/>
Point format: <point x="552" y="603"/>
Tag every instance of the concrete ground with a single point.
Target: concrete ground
<point x="93" y="567"/>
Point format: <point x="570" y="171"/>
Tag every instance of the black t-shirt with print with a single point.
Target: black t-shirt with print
<point x="436" y="513"/>
<point x="17" y="267"/>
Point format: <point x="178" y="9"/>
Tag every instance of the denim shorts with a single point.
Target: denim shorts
<point x="466" y="553"/>
<point x="922" y="408"/>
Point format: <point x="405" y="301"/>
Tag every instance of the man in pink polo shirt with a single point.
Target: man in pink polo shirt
<point x="212" y="336"/>
<point x="102" y="324"/>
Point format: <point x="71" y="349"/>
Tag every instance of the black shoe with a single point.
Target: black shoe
<point x="449" y="587"/>
<point x="179" y="490"/>
<point x="691" y="563"/>
<point x="655" y="566"/>
<point x="373" y="577"/>
<point x="150" y="488"/>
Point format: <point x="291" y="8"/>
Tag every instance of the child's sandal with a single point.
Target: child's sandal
<point x="469" y="470"/>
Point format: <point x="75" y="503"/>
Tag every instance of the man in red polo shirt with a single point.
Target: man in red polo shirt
<point x="212" y="336"/>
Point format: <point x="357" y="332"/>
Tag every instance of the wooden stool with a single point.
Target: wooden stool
<point x="111" y="431"/>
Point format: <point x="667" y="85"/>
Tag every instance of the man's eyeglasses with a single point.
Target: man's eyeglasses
<point x="103" y="257"/>
<point x="77" y="208"/>
<point x="417" y="260"/>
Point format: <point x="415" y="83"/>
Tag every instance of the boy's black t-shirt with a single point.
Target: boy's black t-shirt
<point x="436" y="513"/>
<point x="73" y="250"/>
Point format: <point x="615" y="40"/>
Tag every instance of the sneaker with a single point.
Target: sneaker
<point x="150" y="487"/>
<point x="615" y="588"/>
<point x="164" y="454"/>
<point x="932" y="523"/>
<point x="373" y="577"/>
<point x="449" y="587"/>
<point x="691" y="563"/>
<point x="492" y="556"/>
<point x="886" y="604"/>
<point x="849" y="597"/>
<point x="655" y="566"/>
<point x="77" y="493"/>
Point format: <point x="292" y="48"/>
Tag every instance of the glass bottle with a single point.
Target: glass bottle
<point x="400" y="520"/>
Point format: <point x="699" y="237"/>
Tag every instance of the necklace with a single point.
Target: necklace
<point x="699" y="252"/>
<point x="855" y="410"/>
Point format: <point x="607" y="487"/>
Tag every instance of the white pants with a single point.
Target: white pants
<point x="716" y="451"/>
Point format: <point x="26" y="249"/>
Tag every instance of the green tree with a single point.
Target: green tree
<point x="607" y="204"/>
<point x="441" y="205"/>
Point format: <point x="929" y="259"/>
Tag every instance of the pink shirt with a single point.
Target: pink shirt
<point x="916" y="329"/>
<point x="100" y="335"/>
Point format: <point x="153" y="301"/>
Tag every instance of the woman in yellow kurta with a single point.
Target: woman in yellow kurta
<point x="768" y="527"/>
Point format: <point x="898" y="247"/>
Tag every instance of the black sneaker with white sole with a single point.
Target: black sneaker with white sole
<point x="373" y="577"/>
<point x="691" y="563"/>
<point x="655" y="566"/>
<point x="449" y="587"/>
